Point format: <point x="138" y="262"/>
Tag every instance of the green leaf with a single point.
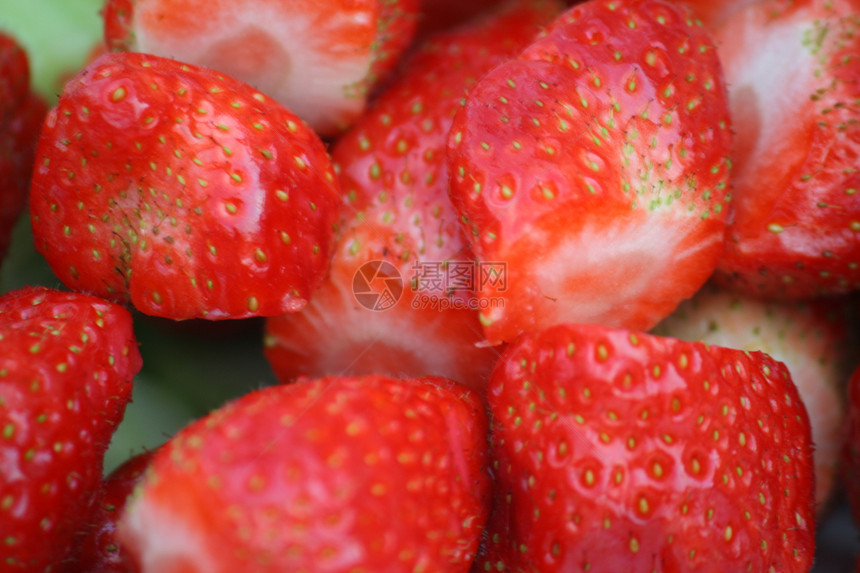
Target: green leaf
<point x="58" y="35"/>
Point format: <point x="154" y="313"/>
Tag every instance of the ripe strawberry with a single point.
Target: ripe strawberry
<point x="851" y="450"/>
<point x="393" y="172"/>
<point x="66" y="366"/>
<point x="595" y="166"/>
<point x="21" y="115"/>
<point x="319" y="58"/>
<point x="185" y="191"/>
<point x="809" y="338"/>
<point x="333" y="474"/>
<point x="100" y="549"/>
<point x="620" y="451"/>
<point x="792" y="68"/>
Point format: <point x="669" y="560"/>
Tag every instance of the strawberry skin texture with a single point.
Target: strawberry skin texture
<point x="393" y="173"/>
<point x="396" y="153"/>
<point x="186" y="192"/>
<point x="21" y="115"/>
<point x="320" y="58"/>
<point x="810" y="338"/>
<point x="621" y="451"/>
<point x="332" y="474"/>
<point x="594" y="166"/>
<point x="793" y="69"/>
<point x="66" y="366"/>
<point x="100" y="550"/>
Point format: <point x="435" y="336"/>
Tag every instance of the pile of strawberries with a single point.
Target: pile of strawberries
<point x="548" y="286"/>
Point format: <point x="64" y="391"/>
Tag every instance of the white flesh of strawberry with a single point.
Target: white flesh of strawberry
<point x="163" y="542"/>
<point x="771" y="72"/>
<point x="292" y="51"/>
<point x="354" y="337"/>
<point x="611" y="273"/>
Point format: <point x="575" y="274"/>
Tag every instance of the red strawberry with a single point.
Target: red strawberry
<point x="334" y="474"/>
<point x="851" y="451"/>
<point x="320" y="58"/>
<point x="620" y="451"/>
<point x="792" y="68"/>
<point x="100" y="549"/>
<point x="595" y="166"/>
<point x="66" y="366"/>
<point x="21" y="115"/>
<point x="392" y="169"/>
<point x="187" y="192"/>
<point x="809" y="338"/>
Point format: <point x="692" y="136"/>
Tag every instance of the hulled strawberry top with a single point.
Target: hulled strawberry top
<point x="320" y="58"/>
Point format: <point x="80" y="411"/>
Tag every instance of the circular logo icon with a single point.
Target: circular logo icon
<point x="377" y="285"/>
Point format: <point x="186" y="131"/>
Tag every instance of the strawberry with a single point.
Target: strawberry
<point x="807" y="337"/>
<point x="332" y="474"/>
<point x="792" y="68"/>
<point x="621" y="451"/>
<point x="184" y="191"/>
<point x="21" y="115"/>
<point x="100" y="549"/>
<point x="394" y="175"/>
<point x="66" y="367"/>
<point x="339" y="332"/>
<point x="851" y="449"/>
<point x="319" y="58"/>
<point x="595" y="166"/>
